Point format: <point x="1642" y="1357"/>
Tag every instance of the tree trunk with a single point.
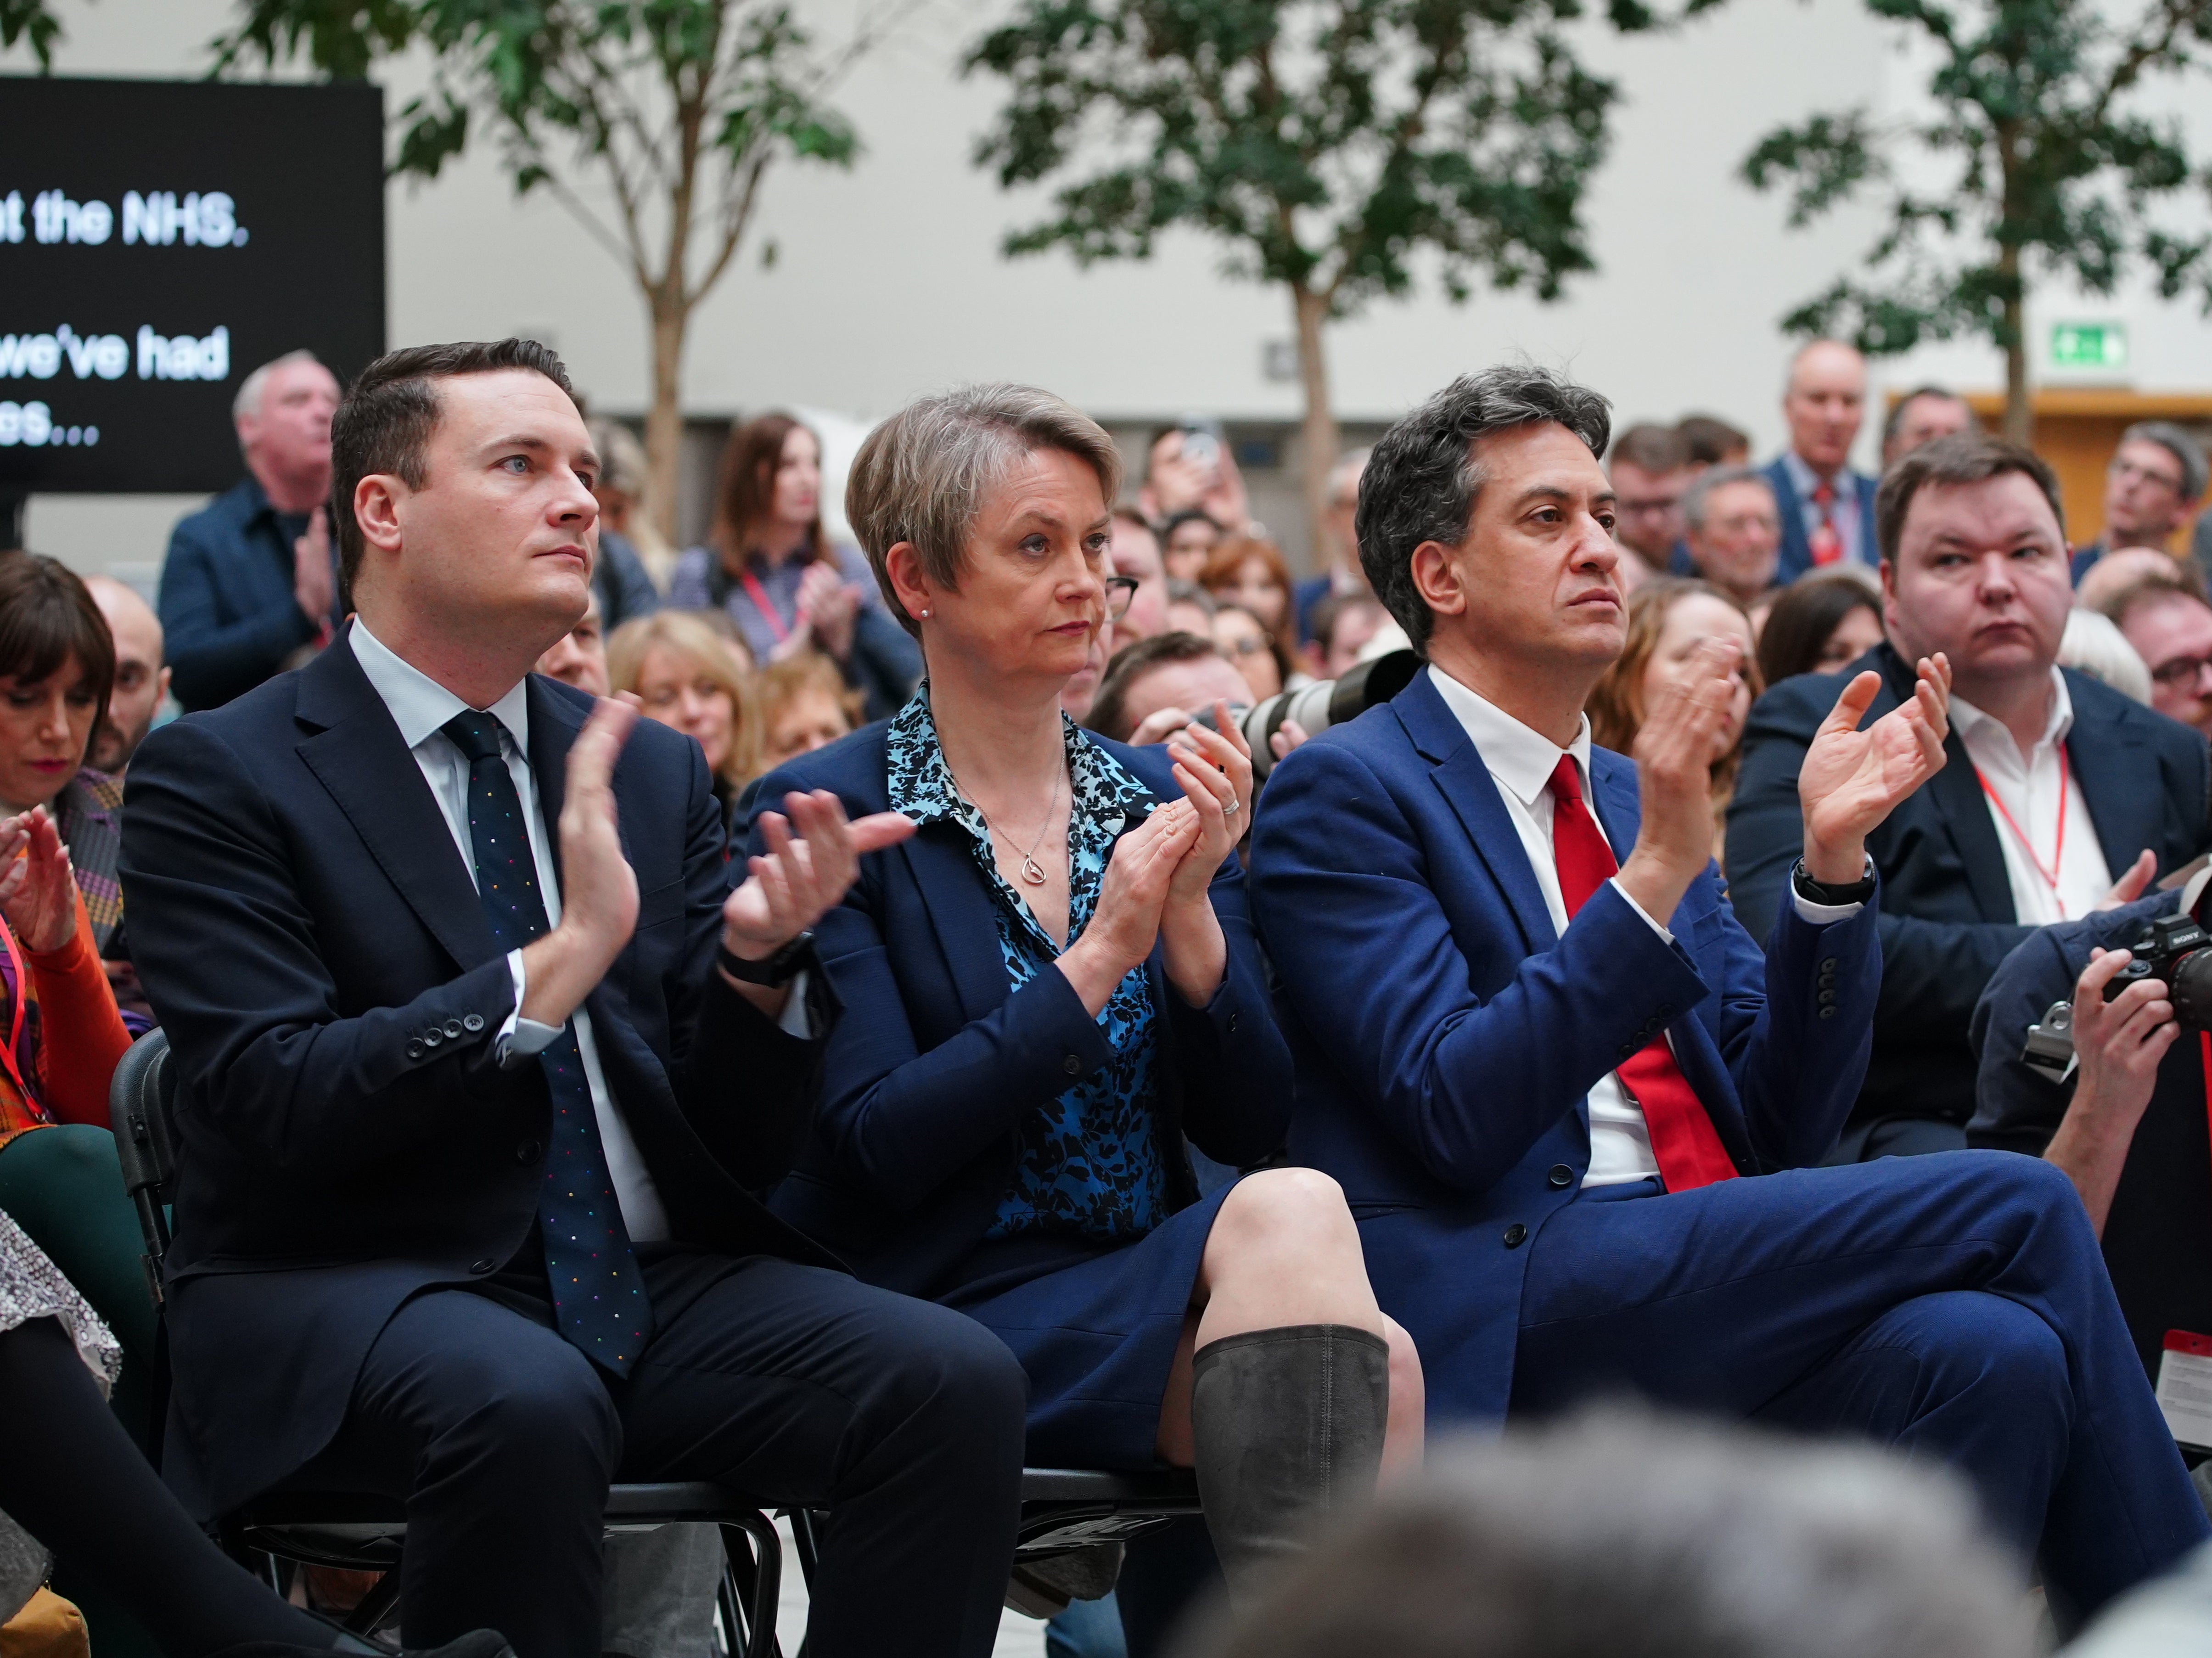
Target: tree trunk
<point x="663" y="423"/>
<point x="2020" y="415"/>
<point x="1322" y="440"/>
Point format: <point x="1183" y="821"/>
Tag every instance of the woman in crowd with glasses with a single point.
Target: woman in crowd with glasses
<point x="1049" y="987"/>
<point x="772" y="566"/>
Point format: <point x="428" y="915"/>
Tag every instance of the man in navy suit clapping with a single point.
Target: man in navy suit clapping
<point x="1572" y="1104"/>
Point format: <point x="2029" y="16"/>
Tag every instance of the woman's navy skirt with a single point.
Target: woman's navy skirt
<point x="1096" y="1329"/>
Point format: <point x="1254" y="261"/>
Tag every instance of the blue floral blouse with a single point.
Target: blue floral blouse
<point x="1089" y="1164"/>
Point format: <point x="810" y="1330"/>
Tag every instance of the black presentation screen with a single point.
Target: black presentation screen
<point x="160" y="239"/>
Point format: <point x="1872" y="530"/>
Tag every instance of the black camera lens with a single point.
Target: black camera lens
<point x="2189" y="985"/>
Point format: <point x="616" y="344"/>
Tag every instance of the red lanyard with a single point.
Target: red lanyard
<point x="2204" y="1047"/>
<point x="16" y="1022"/>
<point x="2059" y="851"/>
<point x="759" y="596"/>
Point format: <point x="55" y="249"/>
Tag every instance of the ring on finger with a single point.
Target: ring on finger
<point x="1231" y="807"/>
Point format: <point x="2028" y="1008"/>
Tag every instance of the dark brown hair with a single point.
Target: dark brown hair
<point x="1652" y="449"/>
<point x="746" y="493"/>
<point x="2149" y="590"/>
<point x="1108" y="709"/>
<point x="1962" y="458"/>
<point x="1712" y="439"/>
<point x="49" y="619"/>
<point x="1616" y="703"/>
<point x="1804" y="616"/>
<point x="384" y="421"/>
<point x="1226" y="563"/>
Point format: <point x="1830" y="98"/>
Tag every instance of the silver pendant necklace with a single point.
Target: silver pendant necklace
<point x="1032" y="870"/>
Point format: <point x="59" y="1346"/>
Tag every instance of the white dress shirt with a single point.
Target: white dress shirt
<point x="1842" y="511"/>
<point x="1520" y="762"/>
<point x="2037" y="791"/>
<point x="420" y="707"/>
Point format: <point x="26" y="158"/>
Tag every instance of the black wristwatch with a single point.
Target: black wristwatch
<point x="770" y="972"/>
<point x="1813" y="892"/>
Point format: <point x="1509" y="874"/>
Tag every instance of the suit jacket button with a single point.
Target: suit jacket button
<point x="1561" y="1176"/>
<point x="1627" y="1048"/>
<point x="1828" y="1012"/>
<point x="1072" y="1065"/>
<point x="527" y="1151"/>
<point x="484" y="1265"/>
<point x="1828" y="966"/>
<point x="472" y="1023"/>
<point x="453" y="1030"/>
<point x="433" y="1036"/>
<point x="415" y="1049"/>
<point x="1516" y="1235"/>
<point x="1232" y="1024"/>
<point x="1827" y="996"/>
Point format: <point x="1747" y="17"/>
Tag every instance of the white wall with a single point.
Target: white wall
<point x="889" y="281"/>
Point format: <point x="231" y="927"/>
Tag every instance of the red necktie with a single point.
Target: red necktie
<point x="1827" y="542"/>
<point x="1688" y="1150"/>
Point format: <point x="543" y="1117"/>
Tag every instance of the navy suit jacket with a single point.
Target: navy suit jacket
<point x="229" y="618"/>
<point x="1949" y="920"/>
<point x="937" y="1060"/>
<point x="303" y="921"/>
<point x="2158" y="1235"/>
<point x="1446" y="1037"/>
<point x="1797" y="556"/>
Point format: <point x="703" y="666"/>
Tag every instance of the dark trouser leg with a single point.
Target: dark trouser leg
<point x="802" y="1386"/>
<point x="1168" y="1570"/>
<point x="1728" y="1298"/>
<point x="70" y="1476"/>
<point x="501" y="1439"/>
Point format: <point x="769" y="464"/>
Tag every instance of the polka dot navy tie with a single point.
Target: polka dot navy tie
<point x="597" y="1291"/>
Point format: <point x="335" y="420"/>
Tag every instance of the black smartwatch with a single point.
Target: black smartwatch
<point x="1813" y="892"/>
<point x="770" y="972"/>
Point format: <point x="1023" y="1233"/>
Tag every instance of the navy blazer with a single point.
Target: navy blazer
<point x="229" y="618"/>
<point x="2147" y="783"/>
<point x="309" y="932"/>
<point x="1446" y="1037"/>
<point x="1796" y="554"/>
<point x="937" y="1060"/>
<point x="2158" y="1235"/>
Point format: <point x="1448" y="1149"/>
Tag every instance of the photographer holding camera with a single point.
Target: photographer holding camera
<point x="2127" y="1120"/>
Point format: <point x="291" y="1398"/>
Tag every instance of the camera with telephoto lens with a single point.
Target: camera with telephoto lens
<point x="2172" y="949"/>
<point x="1317" y="707"/>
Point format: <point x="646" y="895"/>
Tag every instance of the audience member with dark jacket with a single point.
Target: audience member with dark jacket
<point x="471" y="1135"/>
<point x="2059" y="795"/>
<point x="2127" y="1125"/>
<point x="248" y="586"/>
<point x="1048" y="988"/>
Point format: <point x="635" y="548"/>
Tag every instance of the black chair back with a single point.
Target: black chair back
<point x="138" y="1101"/>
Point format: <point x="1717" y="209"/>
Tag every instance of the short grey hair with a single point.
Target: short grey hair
<point x="1344" y="477"/>
<point x="1697" y="500"/>
<point x="248" y="400"/>
<point x="1620" y="1534"/>
<point x="1421" y="480"/>
<point x="2178" y="441"/>
<point x="923" y="475"/>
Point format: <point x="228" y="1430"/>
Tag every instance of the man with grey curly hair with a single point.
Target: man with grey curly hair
<point x="1577" y="1108"/>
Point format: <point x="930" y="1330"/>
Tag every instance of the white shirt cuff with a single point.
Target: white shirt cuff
<point x="793" y="1020"/>
<point x="1638" y="908"/>
<point x="518" y="1038"/>
<point x="1821" y="914"/>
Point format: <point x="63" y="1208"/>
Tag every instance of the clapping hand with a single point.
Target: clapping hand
<point x="1214" y="770"/>
<point x="1131" y="897"/>
<point x="826" y="605"/>
<point x="311" y="569"/>
<point x="813" y="857"/>
<point x="1851" y="780"/>
<point x="1684" y="728"/>
<point x="38" y="894"/>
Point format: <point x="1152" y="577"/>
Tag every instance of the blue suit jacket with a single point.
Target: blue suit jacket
<point x="229" y="618"/>
<point x="303" y="921"/>
<point x="937" y="1061"/>
<point x="1796" y="557"/>
<point x="1446" y="1037"/>
<point x="2147" y="783"/>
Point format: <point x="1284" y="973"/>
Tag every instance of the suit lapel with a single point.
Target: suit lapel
<point x="1618" y="811"/>
<point x="1464" y="781"/>
<point x="2108" y="761"/>
<point x="354" y="749"/>
<point x="952" y="887"/>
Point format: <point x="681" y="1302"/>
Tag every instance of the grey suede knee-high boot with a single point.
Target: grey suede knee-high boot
<point x="1287" y="1428"/>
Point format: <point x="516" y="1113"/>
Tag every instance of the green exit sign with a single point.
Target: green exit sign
<point x="2088" y="345"/>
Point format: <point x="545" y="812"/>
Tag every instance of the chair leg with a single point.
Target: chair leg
<point x="807" y="1539"/>
<point x="765" y="1557"/>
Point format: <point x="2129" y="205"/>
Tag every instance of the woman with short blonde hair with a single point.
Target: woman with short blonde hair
<point x="1051" y="986"/>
